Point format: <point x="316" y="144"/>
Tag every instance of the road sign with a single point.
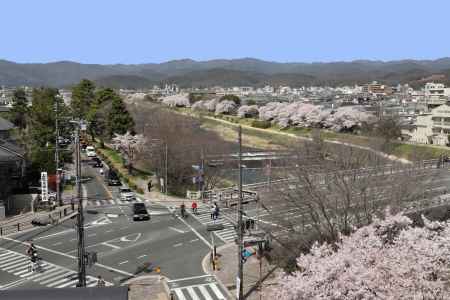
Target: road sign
<point x="44" y="187"/>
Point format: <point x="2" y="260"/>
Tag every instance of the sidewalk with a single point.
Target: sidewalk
<point x="228" y="270"/>
<point x="150" y="287"/>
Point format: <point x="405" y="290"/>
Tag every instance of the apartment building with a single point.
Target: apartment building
<point x="432" y="127"/>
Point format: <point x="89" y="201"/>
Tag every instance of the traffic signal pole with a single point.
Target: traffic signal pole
<point x="240" y="275"/>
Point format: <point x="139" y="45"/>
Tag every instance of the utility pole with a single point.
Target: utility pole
<point x="80" y="216"/>
<point x="202" y="190"/>
<point x="166" y="164"/>
<point x="240" y="275"/>
<point x="58" y="179"/>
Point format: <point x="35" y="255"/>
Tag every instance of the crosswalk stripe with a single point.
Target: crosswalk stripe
<point x="48" y="271"/>
<point x="7" y="257"/>
<point x="204" y="292"/>
<point x="217" y="291"/>
<point x="179" y="294"/>
<point x="31" y="274"/>
<point x="192" y="293"/>
<point x="5" y="254"/>
<point x="12" y="261"/>
<point x="52" y="273"/>
<point x="16" y="268"/>
<point x="68" y="278"/>
<point x="59" y="276"/>
<point x="73" y="282"/>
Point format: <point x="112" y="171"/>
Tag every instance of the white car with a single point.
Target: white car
<point x="90" y="151"/>
<point x="126" y="194"/>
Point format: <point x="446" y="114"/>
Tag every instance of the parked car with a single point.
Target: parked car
<point x="90" y="151"/>
<point x="140" y="212"/>
<point x="113" y="179"/>
<point x="126" y="194"/>
<point x="97" y="163"/>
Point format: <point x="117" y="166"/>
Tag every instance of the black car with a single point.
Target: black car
<point x="113" y="179"/>
<point x="97" y="163"/>
<point x="140" y="212"/>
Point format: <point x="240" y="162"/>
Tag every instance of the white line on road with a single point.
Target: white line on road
<point x="69" y="256"/>
<point x="73" y="239"/>
<point x="177" y="230"/>
<point x="111" y="245"/>
<point x="143" y="255"/>
<point x="56" y="244"/>
<point x="195" y="231"/>
<point x="194" y="240"/>
<point x="123" y="228"/>
<point x="108" y="231"/>
<point x="124" y="262"/>
<point x="178" y="245"/>
<point x="92" y="234"/>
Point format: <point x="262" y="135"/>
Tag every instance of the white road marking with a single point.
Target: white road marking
<point x="54" y="234"/>
<point x="73" y="239"/>
<point x="134" y="237"/>
<point x="194" y="240"/>
<point x="176" y="229"/>
<point x="143" y="255"/>
<point x="56" y="244"/>
<point x="69" y="256"/>
<point x="109" y="231"/>
<point x="196" y="232"/>
<point x="13" y="284"/>
<point x="124" y="262"/>
<point x="92" y="234"/>
<point x="111" y="245"/>
<point x="123" y="228"/>
<point x="178" y="245"/>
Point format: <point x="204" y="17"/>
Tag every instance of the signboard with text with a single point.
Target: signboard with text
<point x="44" y="187"/>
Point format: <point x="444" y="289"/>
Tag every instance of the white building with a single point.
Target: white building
<point x="435" y="94"/>
<point x="432" y="127"/>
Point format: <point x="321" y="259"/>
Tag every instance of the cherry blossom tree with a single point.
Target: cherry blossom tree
<point x="211" y="105"/>
<point x="225" y="107"/>
<point x="178" y="100"/>
<point x="388" y="259"/>
<point x="246" y="111"/>
<point x="129" y="145"/>
<point x="199" y="105"/>
<point x="347" y="117"/>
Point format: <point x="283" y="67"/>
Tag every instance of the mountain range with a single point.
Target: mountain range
<point x="224" y="72"/>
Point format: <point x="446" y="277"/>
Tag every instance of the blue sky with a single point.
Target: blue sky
<point x="139" y="31"/>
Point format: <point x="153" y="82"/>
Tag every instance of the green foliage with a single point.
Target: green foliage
<point x="261" y="124"/>
<point x="233" y="98"/>
<point x="82" y="97"/>
<point x="119" y="119"/>
<point x="99" y="109"/>
<point x="19" y="111"/>
<point x="250" y="102"/>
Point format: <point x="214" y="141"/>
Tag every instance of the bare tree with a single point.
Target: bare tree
<point x="335" y="193"/>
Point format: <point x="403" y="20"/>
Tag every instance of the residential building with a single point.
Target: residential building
<point x="432" y="127"/>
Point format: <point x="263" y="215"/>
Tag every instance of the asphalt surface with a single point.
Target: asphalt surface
<point x="124" y="247"/>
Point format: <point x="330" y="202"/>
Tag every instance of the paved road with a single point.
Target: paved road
<point x="199" y="287"/>
<point x="123" y="246"/>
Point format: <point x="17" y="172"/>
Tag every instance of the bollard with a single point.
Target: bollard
<point x="60" y="214"/>
<point x="18" y="226"/>
<point x="65" y="211"/>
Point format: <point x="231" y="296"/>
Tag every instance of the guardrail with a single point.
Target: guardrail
<point x="52" y="218"/>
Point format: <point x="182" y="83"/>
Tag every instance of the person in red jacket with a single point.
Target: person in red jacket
<point x="194" y="207"/>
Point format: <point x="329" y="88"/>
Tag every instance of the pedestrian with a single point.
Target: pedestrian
<point x="213" y="212"/>
<point x="149" y="185"/>
<point x="216" y="211"/>
<point x="194" y="207"/>
<point x="183" y="210"/>
<point x="100" y="281"/>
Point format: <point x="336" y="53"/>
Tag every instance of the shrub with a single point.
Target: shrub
<point x="261" y="124"/>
